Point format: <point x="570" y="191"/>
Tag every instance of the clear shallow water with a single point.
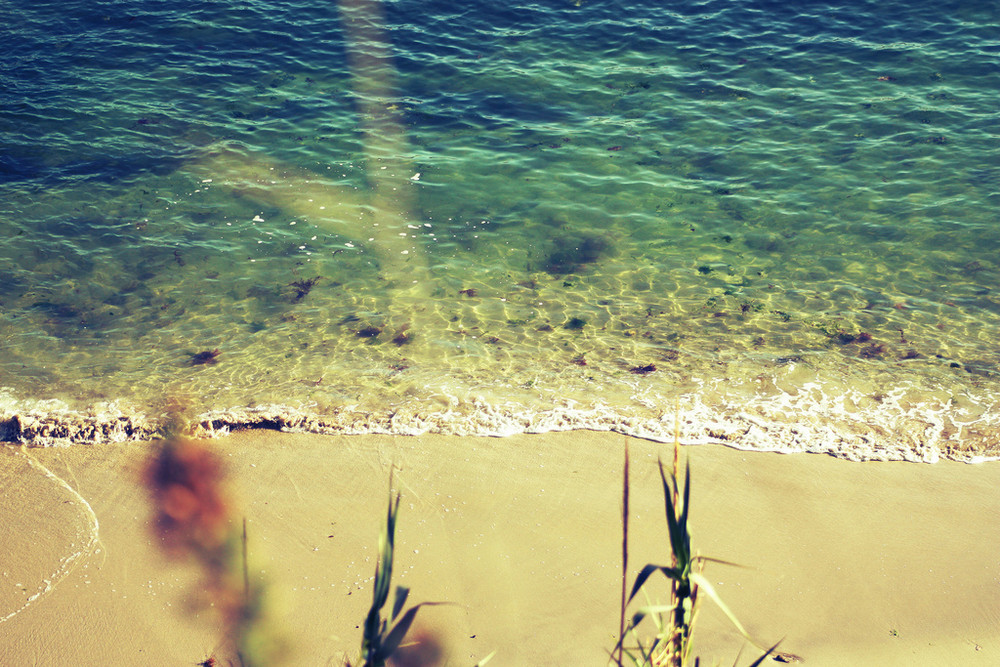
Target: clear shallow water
<point x="549" y="216"/>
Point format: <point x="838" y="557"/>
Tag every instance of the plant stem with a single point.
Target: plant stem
<point x="676" y="643"/>
<point x="621" y="619"/>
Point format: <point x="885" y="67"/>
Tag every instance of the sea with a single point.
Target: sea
<point x="769" y="225"/>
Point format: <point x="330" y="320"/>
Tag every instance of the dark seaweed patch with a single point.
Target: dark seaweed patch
<point x="570" y="254"/>
<point x="300" y="288"/>
<point x="206" y="357"/>
<point x="873" y="351"/>
<point x="844" y="338"/>
<point x="402" y="337"/>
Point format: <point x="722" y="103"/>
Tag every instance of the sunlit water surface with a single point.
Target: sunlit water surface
<point x="781" y="227"/>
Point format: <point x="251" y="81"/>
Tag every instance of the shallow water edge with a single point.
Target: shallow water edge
<point x="694" y="423"/>
<point x="781" y="228"/>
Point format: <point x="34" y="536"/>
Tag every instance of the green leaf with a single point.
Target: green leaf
<point x="706" y="586"/>
<point x="706" y="559"/>
<point x="374" y="627"/>
<point x="758" y="661"/>
<point x="679" y="540"/>
<point x="637" y="618"/>
<point x="387" y="541"/>
<point x="652" y="609"/>
<point x="395" y="637"/>
<point x="402" y="592"/>
<point x="485" y="660"/>
<point x="643" y="653"/>
<point x="650" y="569"/>
<point x="687" y="495"/>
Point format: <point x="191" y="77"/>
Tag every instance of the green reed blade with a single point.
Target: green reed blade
<point x="683" y="521"/>
<point x="483" y="662"/>
<point x="670" y="572"/>
<point x="402" y="592"/>
<point x="758" y="661"/>
<point x="375" y="627"/>
<point x="708" y="559"/>
<point x="706" y="586"/>
<point x="652" y="610"/>
<point x="395" y="637"/>
<point x="680" y="543"/>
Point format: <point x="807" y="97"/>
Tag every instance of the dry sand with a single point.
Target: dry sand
<point x="850" y="563"/>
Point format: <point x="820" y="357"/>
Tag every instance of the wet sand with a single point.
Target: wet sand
<point x="848" y="563"/>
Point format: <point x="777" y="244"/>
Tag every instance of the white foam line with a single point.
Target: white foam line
<point x="67" y="563"/>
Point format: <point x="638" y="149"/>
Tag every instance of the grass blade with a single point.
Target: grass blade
<point x="758" y="661"/>
<point x="679" y="540"/>
<point x="683" y="520"/>
<point x="706" y="586"/>
<point x="371" y="638"/>
<point x="395" y="637"/>
<point x="482" y="662"/>
<point x="402" y="592"/>
<point x="707" y="559"/>
<point x="649" y="610"/>
<point x="648" y="570"/>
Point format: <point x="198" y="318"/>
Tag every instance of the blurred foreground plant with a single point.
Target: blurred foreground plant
<point x="193" y="520"/>
<point x="674" y="622"/>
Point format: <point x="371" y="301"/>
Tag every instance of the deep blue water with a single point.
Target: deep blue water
<point x="538" y="216"/>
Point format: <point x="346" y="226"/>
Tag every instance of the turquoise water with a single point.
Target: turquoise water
<point x="780" y="224"/>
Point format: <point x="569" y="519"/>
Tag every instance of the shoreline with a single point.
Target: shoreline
<point x="852" y="563"/>
<point x="754" y="429"/>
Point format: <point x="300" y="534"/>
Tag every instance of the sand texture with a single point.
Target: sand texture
<point x="849" y="563"/>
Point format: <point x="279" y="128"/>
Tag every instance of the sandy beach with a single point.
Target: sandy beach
<point x="846" y="563"/>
